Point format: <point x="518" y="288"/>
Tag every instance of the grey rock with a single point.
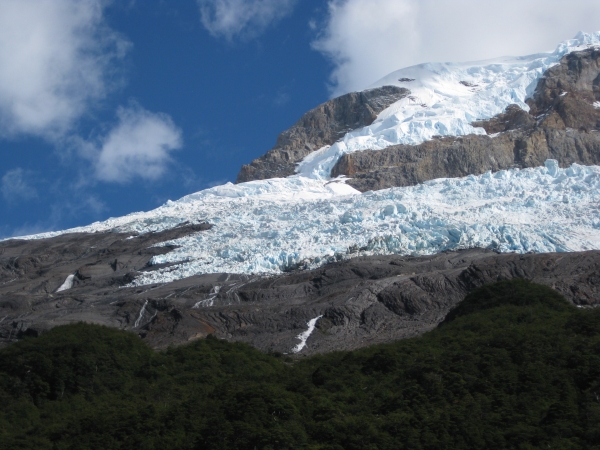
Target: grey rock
<point x="562" y="124"/>
<point x="321" y="126"/>
<point x="363" y="301"/>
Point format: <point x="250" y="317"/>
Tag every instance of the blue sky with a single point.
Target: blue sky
<point x="110" y="107"/>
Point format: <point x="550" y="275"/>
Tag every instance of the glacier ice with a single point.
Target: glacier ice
<point x="541" y="210"/>
<point x="445" y="99"/>
<point x="271" y="226"/>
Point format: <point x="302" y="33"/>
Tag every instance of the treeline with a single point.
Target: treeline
<point x="514" y="366"/>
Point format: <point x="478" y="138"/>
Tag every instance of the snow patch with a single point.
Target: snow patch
<point x="445" y="98"/>
<point x="597" y="105"/>
<point x="141" y="316"/>
<point x="304" y="336"/>
<point x="68" y="284"/>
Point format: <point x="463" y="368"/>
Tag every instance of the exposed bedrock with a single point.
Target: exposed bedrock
<point x="321" y="126"/>
<point x="363" y="301"/>
<point x="562" y="124"/>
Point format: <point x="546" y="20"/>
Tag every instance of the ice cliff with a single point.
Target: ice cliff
<point x="271" y="226"/>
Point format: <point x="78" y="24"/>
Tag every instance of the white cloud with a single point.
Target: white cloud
<point x="367" y="39"/>
<point x="139" y="146"/>
<point x="15" y="186"/>
<point x="242" y="18"/>
<point x="56" y="57"/>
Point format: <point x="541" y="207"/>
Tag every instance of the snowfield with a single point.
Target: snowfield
<point x="267" y="227"/>
<point x="445" y="99"/>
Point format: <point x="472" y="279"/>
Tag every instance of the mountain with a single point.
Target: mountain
<point x="369" y="220"/>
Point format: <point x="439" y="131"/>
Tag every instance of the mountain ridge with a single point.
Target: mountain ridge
<point x="562" y="124"/>
<point x="320" y="127"/>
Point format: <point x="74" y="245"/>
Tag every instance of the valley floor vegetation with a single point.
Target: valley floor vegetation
<point x="514" y="366"/>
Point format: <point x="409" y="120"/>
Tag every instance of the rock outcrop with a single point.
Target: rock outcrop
<point x="319" y="127"/>
<point x="562" y="124"/>
<point x="363" y="301"/>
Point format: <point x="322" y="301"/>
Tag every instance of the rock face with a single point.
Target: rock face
<point x="31" y="272"/>
<point x="319" y="127"/>
<point x="562" y="124"/>
<point x="363" y="301"/>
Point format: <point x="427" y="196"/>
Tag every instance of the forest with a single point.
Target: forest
<point x="513" y="366"/>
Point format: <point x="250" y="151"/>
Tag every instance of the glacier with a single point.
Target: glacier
<point x="544" y="209"/>
<point x="272" y="226"/>
<point x="445" y="99"/>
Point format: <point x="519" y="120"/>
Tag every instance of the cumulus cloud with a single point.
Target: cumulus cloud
<point x="15" y="186"/>
<point x="56" y="57"/>
<point x="242" y="18"/>
<point x="367" y="39"/>
<point x="138" y="146"/>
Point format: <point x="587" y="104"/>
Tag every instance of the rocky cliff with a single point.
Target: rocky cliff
<point x="562" y="124"/>
<point x="321" y="126"/>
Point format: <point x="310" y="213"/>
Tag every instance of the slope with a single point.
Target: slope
<point x="516" y="367"/>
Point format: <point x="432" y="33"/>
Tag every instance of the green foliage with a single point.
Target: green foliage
<point x="513" y="366"/>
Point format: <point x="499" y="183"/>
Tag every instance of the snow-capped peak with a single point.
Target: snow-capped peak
<point x="445" y="99"/>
